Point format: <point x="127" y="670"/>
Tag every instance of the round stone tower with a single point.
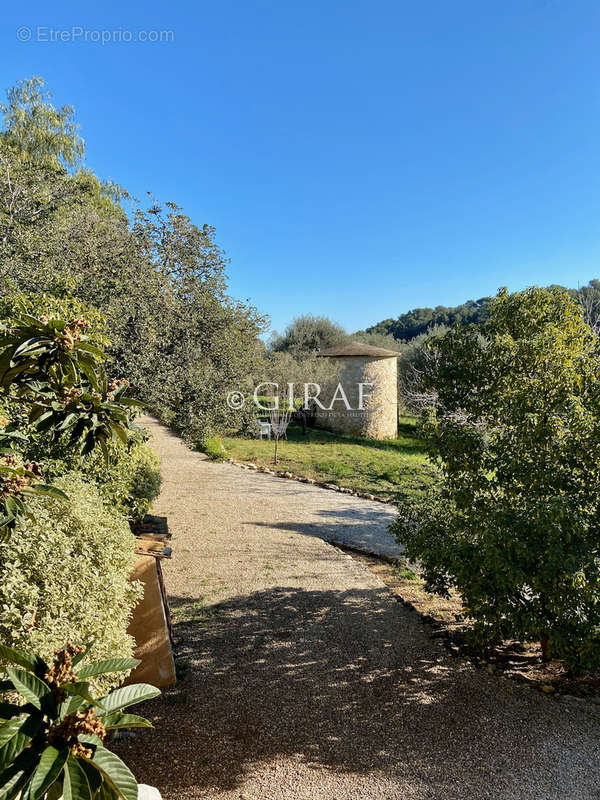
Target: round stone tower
<point x="367" y="402"/>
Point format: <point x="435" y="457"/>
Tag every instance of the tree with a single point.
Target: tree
<point x="37" y="128"/>
<point x="158" y="279"/>
<point x="306" y="335"/>
<point x="513" y="525"/>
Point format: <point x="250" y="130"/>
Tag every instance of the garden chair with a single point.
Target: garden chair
<point x="263" y="429"/>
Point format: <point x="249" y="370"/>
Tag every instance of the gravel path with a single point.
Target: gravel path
<point x="305" y="680"/>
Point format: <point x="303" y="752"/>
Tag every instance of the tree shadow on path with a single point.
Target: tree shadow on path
<point x="345" y="681"/>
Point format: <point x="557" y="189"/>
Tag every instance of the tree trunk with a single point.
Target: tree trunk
<point x="545" y="647"/>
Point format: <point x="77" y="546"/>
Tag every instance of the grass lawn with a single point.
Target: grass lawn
<point x="396" y="468"/>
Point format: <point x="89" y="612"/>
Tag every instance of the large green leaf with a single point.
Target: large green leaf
<point x="28" y="344"/>
<point x="30" y="686"/>
<point x="50" y="767"/>
<point x="92" y="773"/>
<point x="110" y="665"/>
<point x="128" y="695"/>
<point x="107" y="792"/>
<point x="80" y="656"/>
<point x="70" y="705"/>
<point x="118" y="774"/>
<point x="10" y="729"/>
<point x="89" y="348"/>
<point x="81" y="689"/>
<point x="49" y="491"/>
<point x="76" y="785"/>
<point x="26" y="660"/>
<point x="91" y="739"/>
<point x="55" y="792"/>
<point x="120" y="720"/>
<point x="19" y="739"/>
<point x="11" y="782"/>
<point x="17" y="775"/>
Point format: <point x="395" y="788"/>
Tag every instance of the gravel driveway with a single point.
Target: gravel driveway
<point x="304" y="679"/>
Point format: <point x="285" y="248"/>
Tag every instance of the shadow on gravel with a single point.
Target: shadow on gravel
<point x="364" y="529"/>
<point x="346" y="681"/>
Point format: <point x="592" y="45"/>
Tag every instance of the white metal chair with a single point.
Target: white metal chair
<point x="263" y="429"/>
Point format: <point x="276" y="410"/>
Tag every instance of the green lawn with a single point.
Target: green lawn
<point x="396" y="468"/>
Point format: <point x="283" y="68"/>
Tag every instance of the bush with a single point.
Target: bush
<point x="513" y="526"/>
<point x="131" y="481"/>
<point x="65" y="576"/>
<point x="213" y="448"/>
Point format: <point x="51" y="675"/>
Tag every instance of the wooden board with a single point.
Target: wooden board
<point x="150" y="627"/>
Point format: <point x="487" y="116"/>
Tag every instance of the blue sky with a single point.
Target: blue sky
<point x="357" y="159"/>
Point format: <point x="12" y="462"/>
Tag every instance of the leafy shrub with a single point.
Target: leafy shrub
<point x="213" y="448"/>
<point x="513" y="525"/>
<point x="64" y="576"/>
<point x="130" y="481"/>
<point x="60" y="307"/>
<point x="53" y="745"/>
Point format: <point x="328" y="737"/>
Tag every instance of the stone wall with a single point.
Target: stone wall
<point x="379" y="417"/>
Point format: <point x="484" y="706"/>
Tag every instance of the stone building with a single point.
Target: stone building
<point x="362" y="398"/>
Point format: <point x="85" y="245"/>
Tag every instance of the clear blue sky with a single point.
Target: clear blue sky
<point x="357" y="158"/>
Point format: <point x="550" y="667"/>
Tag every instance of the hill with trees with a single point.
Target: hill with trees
<point x="418" y="321"/>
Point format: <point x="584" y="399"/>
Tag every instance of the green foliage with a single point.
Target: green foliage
<point x="51" y="363"/>
<point x="64" y="575"/>
<point x="213" y="447"/>
<point x="39" y="130"/>
<point x="307" y="334"/>
<point x="383" y="340"/>
<point x="55" y="374"/>
<point x="513" y="525"/>
<point x="52" y="745"/>
<point x="56" y="306"/>
<point x="158" y="279"/>
<point x="421" y="320"/>
<point x="131" y="479"/>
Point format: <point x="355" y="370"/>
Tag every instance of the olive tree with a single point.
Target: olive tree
<point x="513" y="525"/>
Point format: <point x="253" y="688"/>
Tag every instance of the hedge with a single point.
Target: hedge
<point x="65" y="576"/>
